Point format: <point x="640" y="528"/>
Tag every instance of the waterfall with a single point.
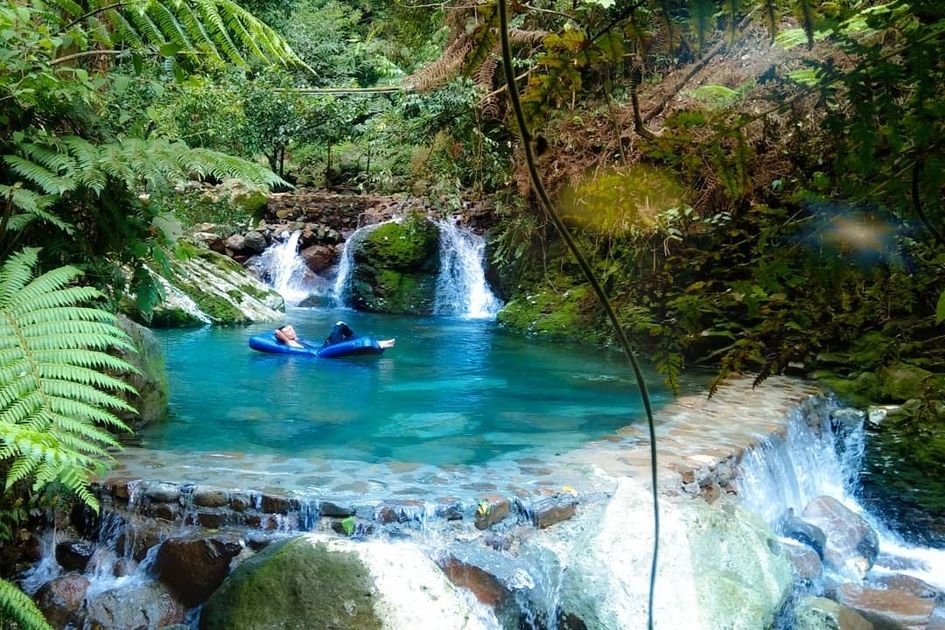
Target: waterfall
<point x="461" y="287"/>
<point x="286" y="272"/>
<point x="812" y="461"/>
<point x="341" y="289"/>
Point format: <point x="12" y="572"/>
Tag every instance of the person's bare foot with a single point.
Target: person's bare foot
<point x="386" y="343"/>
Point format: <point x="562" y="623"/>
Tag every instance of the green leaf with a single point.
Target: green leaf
<point x="170" y="49"/>
<point x="940" y="309"/>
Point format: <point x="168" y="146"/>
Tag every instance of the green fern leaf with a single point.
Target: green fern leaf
<point x="702" y="21"/>
<point x="17" y="607"/>
<point x="55" y="400"/>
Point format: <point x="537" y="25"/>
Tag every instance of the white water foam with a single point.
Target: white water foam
<point x="341" y="289"/>
<point x="287" y="272"/>
<point x="461" y="287"/>
<point x="810" y="462"/>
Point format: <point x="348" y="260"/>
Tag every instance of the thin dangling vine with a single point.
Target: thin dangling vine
<point x="591" y="278"/>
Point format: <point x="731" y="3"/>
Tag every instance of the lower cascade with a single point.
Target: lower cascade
<point x="785" y="545"/>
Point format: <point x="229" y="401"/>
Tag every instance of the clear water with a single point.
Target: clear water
<point x="452" y="391"/>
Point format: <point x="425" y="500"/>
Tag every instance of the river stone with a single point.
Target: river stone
<point x="490" y="511"/>
<point x="205" y="496"/>
<point x="805" y="533"/>
<point x="254" y="242"/>
<point x="236" y="243"/>
<point x="194" y="566"/>
<point x="818" y="613"/>
<point x="315" y="581"/>
<point x="907" y="584"/>
<point x="150" y="380"/>
<point x="318" y="258"/>
<point x="901" y="608"/>
<point x="718" y="567"/>
<point x="162" y="492"/>
<point x="149" y="606"/>
<point x="61" y="597"/>
<point x="74" y="555"/>
<point x="807" y="563"/>
<point x="851" y="542"/>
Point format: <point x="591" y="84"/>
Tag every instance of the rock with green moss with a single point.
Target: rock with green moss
<point x="150" y="380"/>
<point x="315" y="581"/>
<point x="207" y="287"/>
<point x="902" y="381"/>
<point x="567" y="314"/>
<point x="396" y="266"/>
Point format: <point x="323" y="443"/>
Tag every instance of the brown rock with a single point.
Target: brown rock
<point x="486" y="587"/>
<point x="194" y="566"/>
<point x="818" y="613"/>
<point x="273" y="504"/>
<point x="210" y="497"/>
<point x="898" y="607"/>
<point x="907" y="584"/>
<point x="548" y="512"/>
<point x="850" y="539"/>
<point x="806" y="562"/>
<point x="490" y="511"/>
<point x="211" y="518"/>
<point x="319" y="257"/>
<point x="139" y="535"/>
<point x="61" y="597"/>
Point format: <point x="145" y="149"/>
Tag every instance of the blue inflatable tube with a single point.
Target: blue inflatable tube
<point x="358" y="345"/>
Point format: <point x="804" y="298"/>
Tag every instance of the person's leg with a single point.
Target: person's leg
<point x="386" y="343"/>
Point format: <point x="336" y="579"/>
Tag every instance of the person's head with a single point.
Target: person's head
<point x="288" y="331"/>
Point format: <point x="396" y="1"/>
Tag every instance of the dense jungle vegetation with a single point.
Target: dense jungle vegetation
<point x="759" y="183"/>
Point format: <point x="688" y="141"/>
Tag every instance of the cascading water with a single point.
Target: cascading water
<point x="286" y="272"/>
<point x="461" y="287"/>
<point x="341" y="288"/>
<point x="808" y="462"/>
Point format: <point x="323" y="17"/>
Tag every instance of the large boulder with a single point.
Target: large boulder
<point x="851" y="545"/>
<point x="314" y="581"/>
<point x="719" y="568"/>
<point x="193" y="567"/>
<point x="902" y="381"/>
<point x="150" y="380"/>
<point x="896" y="608"/>
<point x="149" y="606"/>
<point x="211" y="288"/>
<point x="61" y="597"/>
<point x="396" y="267"/>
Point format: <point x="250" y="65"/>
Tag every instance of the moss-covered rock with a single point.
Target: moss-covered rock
<point x="150" y="381"/>
<point x="396" y="266"/>
<point x="295" y="584"/>
<point x="208" y="287"/>
<point x="567" y="314"/>
<point x="902" y="381"/>
<point x="317" y="581"/>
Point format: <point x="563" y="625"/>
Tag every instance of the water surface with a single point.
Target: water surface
<point x="452" y="391"/>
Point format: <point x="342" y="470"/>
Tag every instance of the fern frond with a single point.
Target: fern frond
<point x="54" y="398"/>
<point x="771" y="17"/>
<point x="806" y="15"/>
<point x="701" y="19"/>
<point x="48" y="181"/>
<point x="17" y="607"/>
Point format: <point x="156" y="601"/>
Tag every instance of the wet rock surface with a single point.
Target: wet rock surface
<point x="851" y="542"/>
<point x="62" y="597"/>
<point x="193" y="567"/>
<point x="74" y="555"/>
<point x="150" y="606"/>
<point x="890" y="606"/>
<point x="819" y="613"/>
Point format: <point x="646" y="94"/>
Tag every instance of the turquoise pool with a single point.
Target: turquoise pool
<point x="452" y="391"/>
